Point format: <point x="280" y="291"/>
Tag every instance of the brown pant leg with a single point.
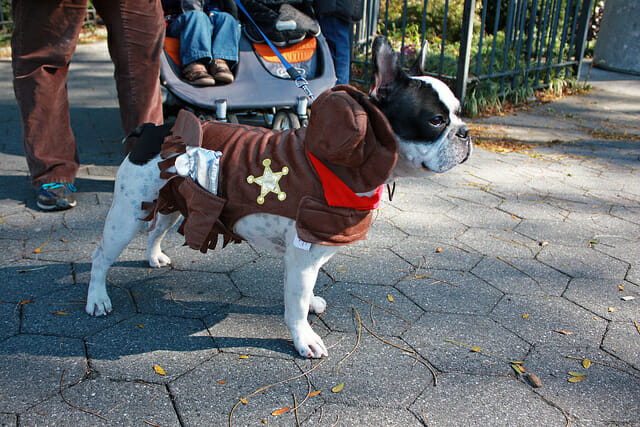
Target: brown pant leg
<point x="44" y="39"/>
<point x="136" y="38"/>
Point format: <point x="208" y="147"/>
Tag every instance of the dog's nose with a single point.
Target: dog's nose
<point x="463" y="132"/>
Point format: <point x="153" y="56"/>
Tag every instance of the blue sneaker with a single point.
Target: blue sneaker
<point x="56" y="196"/>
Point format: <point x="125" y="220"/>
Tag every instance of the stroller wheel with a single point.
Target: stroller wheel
<point x="285" y="119"/>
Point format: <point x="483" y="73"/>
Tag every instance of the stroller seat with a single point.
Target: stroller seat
<point x="261" y="84"/>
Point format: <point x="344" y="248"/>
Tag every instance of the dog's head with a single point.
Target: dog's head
<point x="422" y="111"/>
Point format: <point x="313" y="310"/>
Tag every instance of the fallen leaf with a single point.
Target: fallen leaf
<point x="516" y="368"/>
<point x="438" y="250"/>
<point x="594" y="242"/>
<point x="621" y="287"/>
<point x="338" y="388"/>
<point x="611" y="309"/>
<point x="265" y="422"/>
<point x="243" y="357"/>
<point x="575" y="379"/>
<point x="563" y="332"/>
<point x="60" y="313"/>
<point x="315" y="393"/>
<point x="577" y="374"/>
<point x="586" y="363"/>
<point x="280" y="411"/>
<point x="534" y="380"/>
<point x="159" y="370"/>
<point x="244" y="401"/>
<point x="390" y="298"/>
<point x="524" y="316"/>
<point x="221" y="382"/>
<point x="36" y="251"/>
<point x="628" y="298"/>
<point x="476" y="349"/>
<point x="140" y="326"/>
<point x="63" y="240"/>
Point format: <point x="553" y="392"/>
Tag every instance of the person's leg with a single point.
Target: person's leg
<point x="338" y="35"/>
<point x="136" y="37"/>
<point x="194" y="29"/>
<point x="225" y="36"/>
<point x="224" y="47"/>
<point x="44" y="40"/>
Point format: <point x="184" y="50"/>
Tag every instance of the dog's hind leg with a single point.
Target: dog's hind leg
<point x="134" y="184"/>
<point x="156" y="257"/>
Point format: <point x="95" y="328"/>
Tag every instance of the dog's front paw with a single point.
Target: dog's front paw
<point x="317" y="305"/>
<point x="308" y="343"/>
<point x="98" y="304"/>
<point x="159" y="259"/>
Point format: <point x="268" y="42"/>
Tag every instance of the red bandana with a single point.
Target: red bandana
<point x="338" y="194"/>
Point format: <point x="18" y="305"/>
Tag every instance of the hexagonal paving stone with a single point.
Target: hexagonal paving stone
<point x="633" y="275"/>
<point x="263" y="278"/>
<point x="12" y="250"/>
<point x="31" y="367"/>
<point x="427" y="203"/>
<point x="622" y="340"/>
<point x="623" y="248"/>
<point x="431" y="254"/>
<point x="501" y="243"/>
<point x="383" y="315"/>
<point x="434" y="226"/>
<point x="450" y="292"/>
<point x="9" y="320"/>
<point x="521" y="276"/>
<point x="8" y="420"/>
<point x="533" y="209"/>
<point x="130" y="349"/>
<point x="28" y="279"/>
<point x="383" y="234"/>
<point x="63" y="312"/>
<point x="208" y="394"/>
<point x="374" y="373"/>
<point x="365" y="265"/>
<point x="582" y="262"/>
<point x="604" y="297"/>
<point x="334" y="414"/>
<point x="254" y="329"/>
<point x="481" y="216"/>
<point x="220" y="260"/>
<point x="536" y="320"/>
<point x="484" y="401"/>
<point x="185" y="293"/>
<point x="566" y="233"/>
<point x="606" y="395"/>
<point x="446" y="340"/>
<point x="118" y="402"/>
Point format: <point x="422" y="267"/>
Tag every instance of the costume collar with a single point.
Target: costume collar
<point x="338" y="194"/>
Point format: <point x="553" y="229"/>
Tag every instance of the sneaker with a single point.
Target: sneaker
<point x="197" y="75"/>
<point x="220" y="71"/>
<point x="56" y="196"/>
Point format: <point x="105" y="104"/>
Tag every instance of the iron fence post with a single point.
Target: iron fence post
<point x="581" y="37"/>
<point x="465" y="49"/>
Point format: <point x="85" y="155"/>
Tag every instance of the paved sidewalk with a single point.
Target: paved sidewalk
<point x="530" y="256"/>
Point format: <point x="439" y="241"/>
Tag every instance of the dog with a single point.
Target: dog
<point x="428" y="137"/>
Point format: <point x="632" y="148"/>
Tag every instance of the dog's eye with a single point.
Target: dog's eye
<point x="437" y="121"/>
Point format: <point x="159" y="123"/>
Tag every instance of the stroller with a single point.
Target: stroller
<point x="261" y="87"/>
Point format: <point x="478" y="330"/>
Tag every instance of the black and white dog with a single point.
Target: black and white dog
<point x="424" y="115"/>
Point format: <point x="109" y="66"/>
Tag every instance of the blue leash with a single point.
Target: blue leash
<point x="293" y="72"/>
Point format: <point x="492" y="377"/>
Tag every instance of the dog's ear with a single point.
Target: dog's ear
<point x="418" y="67"/>
<point x="386" y="69"/>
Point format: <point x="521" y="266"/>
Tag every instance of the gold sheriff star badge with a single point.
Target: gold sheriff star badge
<point x="269" y="182"/>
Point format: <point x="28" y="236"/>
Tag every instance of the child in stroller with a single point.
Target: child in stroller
<point x="261" y="84"/>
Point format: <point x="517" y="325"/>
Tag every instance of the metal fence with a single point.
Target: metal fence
<point x="497" y="45"/>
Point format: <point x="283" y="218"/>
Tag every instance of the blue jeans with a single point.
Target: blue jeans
<point x="338" y="35"/>
<point x="204" y="37"/>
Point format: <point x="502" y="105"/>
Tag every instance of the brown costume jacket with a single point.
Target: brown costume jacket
<point x="266" y="171"/>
